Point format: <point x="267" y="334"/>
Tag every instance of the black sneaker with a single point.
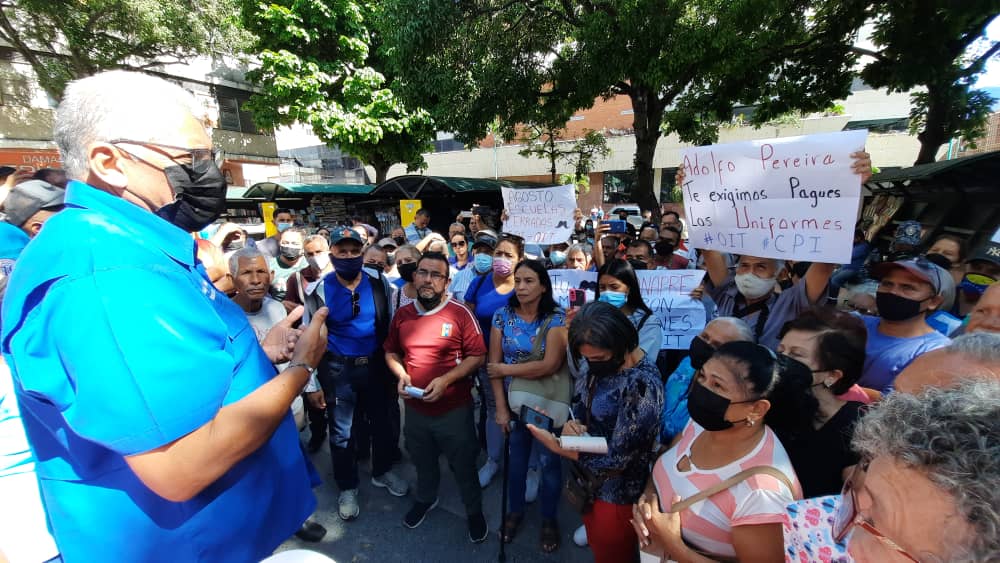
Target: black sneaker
<point x="311" y="531"/>
<point x="418" y="511"/>
<point x="477" y="528"/>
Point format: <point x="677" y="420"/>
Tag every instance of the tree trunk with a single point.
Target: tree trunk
<point x="553" y="155"/>
<point x="647" y="115"/>
<point x="934" y="134"/>
<point x="381" y="170"/>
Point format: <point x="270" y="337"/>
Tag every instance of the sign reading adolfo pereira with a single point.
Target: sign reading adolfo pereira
<point x="789" y="198"/>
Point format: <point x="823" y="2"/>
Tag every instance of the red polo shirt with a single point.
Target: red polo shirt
<point x="433" y="343"/>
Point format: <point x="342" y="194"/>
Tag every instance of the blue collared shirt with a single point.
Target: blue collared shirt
<point x="119" y="344"/>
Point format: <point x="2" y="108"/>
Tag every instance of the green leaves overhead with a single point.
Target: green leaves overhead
<point x="320" y="67"/>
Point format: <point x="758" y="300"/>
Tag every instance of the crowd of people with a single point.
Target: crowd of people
<point x="157" y="382"/>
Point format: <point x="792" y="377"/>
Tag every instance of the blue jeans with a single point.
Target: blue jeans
<point x="550" y="470"/>
<point x="350" y="390"/>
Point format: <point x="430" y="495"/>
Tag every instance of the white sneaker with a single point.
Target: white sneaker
<point x="395" y="484"/>
<point x="580" y="536"/>
<point x="531" y="486"/>
<point x="486" y="472"/>
<point x="347" y="505"/>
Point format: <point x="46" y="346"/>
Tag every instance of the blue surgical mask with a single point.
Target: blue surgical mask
<point x="558" y="257"/>
<point x="615" y="298"/>
<point x="282" y="227"/>
<point x="483" y="263"/>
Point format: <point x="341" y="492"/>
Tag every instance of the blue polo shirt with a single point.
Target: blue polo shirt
<point x="349" y="334"/>
<point x="119" y="344"/>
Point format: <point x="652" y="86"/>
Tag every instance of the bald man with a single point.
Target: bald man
<point x="985" y="316"/>
<point x="970" y="356"/>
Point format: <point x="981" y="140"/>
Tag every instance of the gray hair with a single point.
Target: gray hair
<point x="579" y="247"/>
<point x="743" y="330"/>
<point x="316" y="238"/>
<point x="953" y="437"/>
<point x="114" y="105"/>
<point x="408" y="249"/>
<point x="247" y="253"/>
<point x="983" y="347"/>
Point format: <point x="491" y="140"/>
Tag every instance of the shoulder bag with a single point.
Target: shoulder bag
<point x="550" y="394"/>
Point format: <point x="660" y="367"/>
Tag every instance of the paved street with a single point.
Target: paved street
<point x="379" y="535"/>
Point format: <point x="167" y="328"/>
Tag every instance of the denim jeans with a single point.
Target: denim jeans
<point x="349" y="388"/>
<point x="550" y="471"/>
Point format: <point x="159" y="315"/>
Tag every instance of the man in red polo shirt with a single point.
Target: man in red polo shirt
<point x="435" y="344"/>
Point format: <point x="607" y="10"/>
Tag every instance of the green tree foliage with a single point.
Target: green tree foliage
<point x="68" y="39"/>
<point x="548" y="141"/>
<point x="320" y="66"/>
<point x="683" y="63"/>
<point x="938" y="45"/>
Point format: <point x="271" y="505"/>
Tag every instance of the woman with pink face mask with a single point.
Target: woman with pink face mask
<point x="487" y="294"/>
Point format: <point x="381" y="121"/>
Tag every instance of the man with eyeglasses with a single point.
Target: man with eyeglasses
<point x="160" y="428"/>
<point x="352" y="375"/>
<point x="908" y="291"/>
<point x="435" y="345"/>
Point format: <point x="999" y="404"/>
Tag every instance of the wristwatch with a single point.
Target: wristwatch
<point x="308" y="367"/>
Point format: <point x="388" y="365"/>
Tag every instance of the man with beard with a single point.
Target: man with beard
<point x="350" y="373"/>
<point x="435" y="345"/>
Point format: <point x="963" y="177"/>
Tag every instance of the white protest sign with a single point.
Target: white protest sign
<point x="540" y="215"/>
<point x="788" y="198"/>
<point x="666" y="292"/>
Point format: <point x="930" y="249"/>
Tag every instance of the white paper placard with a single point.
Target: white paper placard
<point x="787" y="198"/>
<point x="540" y="215"/>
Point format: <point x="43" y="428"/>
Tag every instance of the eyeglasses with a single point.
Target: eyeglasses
<point x="196" y="155"/>
<point x="848" y="516"/>
<point x="355" y="304"/>
<point x="436" y="276"/>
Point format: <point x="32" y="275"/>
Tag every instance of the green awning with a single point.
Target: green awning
<point x="271" y="190"/>
<point x="418" y="186"/>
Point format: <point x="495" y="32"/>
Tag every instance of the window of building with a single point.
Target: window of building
<point x="15" y="90"/>
<point x="618" y="186"/>
<point x="668" y="191"/>
<point x="232" y="115"/>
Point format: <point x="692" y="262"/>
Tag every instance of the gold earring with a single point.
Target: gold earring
<point x="749" y="421"/>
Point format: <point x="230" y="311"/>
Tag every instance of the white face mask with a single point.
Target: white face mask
<point x="319" y="262"/>
<point x="753" y="287"/>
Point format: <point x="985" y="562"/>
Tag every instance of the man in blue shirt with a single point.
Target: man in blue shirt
<point x="418" y="229"/>
<point x="352" y="375"/>
<point x="161" y="430"/>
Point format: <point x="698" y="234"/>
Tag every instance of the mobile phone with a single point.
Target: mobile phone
<point x="467" y="215"/>
<point x="577" y="297"/>
<point x="617" y="225"/>
<point x="531" y="416"/>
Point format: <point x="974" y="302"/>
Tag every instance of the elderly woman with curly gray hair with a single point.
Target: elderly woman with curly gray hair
<point x="928" y="488"/>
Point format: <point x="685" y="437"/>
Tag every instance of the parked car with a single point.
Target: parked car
<point x="634" y="214"/>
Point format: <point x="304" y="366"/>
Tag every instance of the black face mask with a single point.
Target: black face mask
<point x="234" y="246"/>
<point x="892" y="307"/>
<point x="199" y="195"/>
<point x="429" y="303"/>
<point x="604" y="368"/>
<point x="406" y="271"/>
<point x="786" y="283"/>
<point x="400" y="240"/>
<point x="699" y="352"/>
<point x="664" y="248"/>
<point x="348" y="268"/>
<point x="940" y="260"/>
<point x="708" y="409"/>
<point x="638" y="264"/>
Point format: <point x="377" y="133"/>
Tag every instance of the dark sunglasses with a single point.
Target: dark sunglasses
<point x="848" y="516"/>
<point x="459" y="244"/>
<point x="355" y="304"/>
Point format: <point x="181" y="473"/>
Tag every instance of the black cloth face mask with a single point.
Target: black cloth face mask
<point x="199" y="195"/>
<point x="708" y="408"/>
<point x="894" y="307"/>
<point x="406" y="271"/>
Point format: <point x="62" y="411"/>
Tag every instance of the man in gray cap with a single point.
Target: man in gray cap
<point x="30" y="204"/>
<point x="908" y="291"/>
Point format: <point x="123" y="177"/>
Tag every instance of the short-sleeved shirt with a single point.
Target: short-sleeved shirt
<point x="519" y="335"/>
<point x="119" y="344"/>
<point x="886" y="356"/>
<point x="760" y="499"/>
<point x="460" y="282"/>
<point x="781" y="308"/>
<point x="349" y="334"/>
<point x="651" y="332"/>
<point x="281" y="273"/>
<point x="415" y="234"/>
<point x="483" y="294"/>
<point x="432" y="343"/>
<point x="263" y="320"/>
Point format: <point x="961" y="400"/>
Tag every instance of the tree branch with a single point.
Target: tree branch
<point x="862" y="51"/>
<point x="977" y="65"/>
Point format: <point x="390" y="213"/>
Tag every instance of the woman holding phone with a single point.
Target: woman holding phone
<point x="530" y="315"/>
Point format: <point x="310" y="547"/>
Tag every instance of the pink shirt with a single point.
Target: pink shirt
<point x="761" y="499"/>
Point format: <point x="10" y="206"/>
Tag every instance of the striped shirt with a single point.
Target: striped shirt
<point x="761" y="499"/>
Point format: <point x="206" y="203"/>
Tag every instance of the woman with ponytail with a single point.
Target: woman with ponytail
<point x="720" y="492"/>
